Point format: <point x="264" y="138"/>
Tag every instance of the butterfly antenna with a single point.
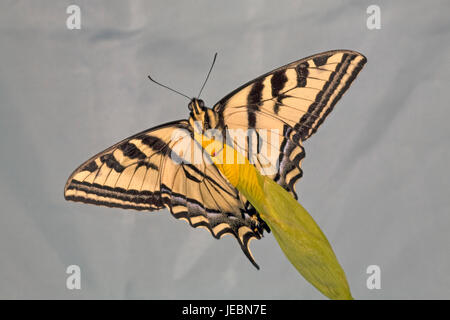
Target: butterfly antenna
<point x="209" y="72"/>
<point x="164" y="86"/>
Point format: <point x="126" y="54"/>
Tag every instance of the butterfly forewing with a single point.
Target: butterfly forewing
<point x="294" y="100"/>
<point x="125" y="175"/>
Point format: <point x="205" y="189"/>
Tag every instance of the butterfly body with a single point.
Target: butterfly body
<point x="279" y="110"/>
<point x="207" y="118"/>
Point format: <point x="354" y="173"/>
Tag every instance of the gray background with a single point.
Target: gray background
<point x="376" y="175"/>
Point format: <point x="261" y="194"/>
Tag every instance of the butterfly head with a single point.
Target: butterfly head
<point x="196" y="106"/>
<point x="200" y="113"/>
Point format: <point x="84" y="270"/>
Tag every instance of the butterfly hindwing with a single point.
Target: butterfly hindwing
<point x="197" y="192"/>
<point x="294" y="100"/>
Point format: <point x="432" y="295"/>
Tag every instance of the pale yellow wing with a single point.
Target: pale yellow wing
<point x="152" y="170"/>
<point x="292" y="101"/>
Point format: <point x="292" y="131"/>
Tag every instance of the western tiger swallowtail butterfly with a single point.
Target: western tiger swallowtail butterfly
<point x="139" y="172"/>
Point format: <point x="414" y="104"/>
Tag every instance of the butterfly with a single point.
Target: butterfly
<point x="140" y="173"/>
